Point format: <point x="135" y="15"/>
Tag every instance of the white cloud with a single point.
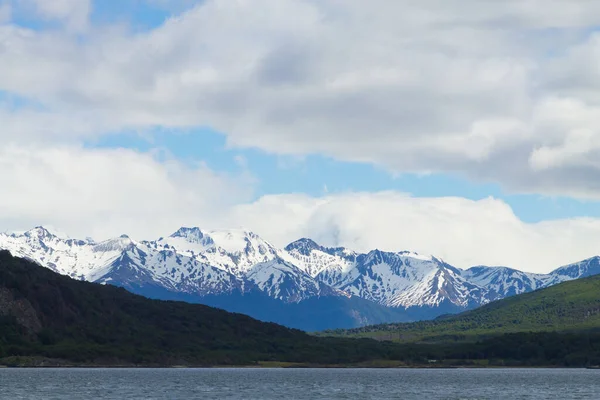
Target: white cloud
<point x="463" y="232"/>
<point x="105" y="192"/>
<point x="454" y="86"/>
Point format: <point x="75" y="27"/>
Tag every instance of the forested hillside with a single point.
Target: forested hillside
<point x="50" y="319"/>
<point x="568" y="307"/>
<point x="46" y="314"/>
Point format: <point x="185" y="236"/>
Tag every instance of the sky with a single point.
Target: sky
<point x="466" y="129"/>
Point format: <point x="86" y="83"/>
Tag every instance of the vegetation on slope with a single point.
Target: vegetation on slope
<point x="567" y="307"/>
<point x="47" y="316"/>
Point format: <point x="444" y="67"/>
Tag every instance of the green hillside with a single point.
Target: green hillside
<point x="568" y="307"/>
<point x="44" y="314"/>
<point x="50" y="319"/>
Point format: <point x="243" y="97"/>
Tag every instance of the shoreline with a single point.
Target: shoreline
<point x="296" y="366"/>
<point x="25" y="362"/>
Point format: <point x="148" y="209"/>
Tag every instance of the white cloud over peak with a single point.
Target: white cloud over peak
<point x="104" y="193"/>
<point x="463" y="232"/>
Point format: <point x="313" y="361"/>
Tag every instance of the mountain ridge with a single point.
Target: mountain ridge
<point x="197" y="264"/>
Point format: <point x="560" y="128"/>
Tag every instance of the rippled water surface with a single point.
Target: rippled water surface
<point x="299" y="384"/>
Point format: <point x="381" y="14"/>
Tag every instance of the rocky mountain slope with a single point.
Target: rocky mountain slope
<point x="304" y="285"/>
<point x="409" y="280"/>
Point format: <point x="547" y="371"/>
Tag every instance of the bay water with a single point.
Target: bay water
<point x="280" y="384"/>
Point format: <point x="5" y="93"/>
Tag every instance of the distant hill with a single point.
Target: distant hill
<point x="572" y="306"/>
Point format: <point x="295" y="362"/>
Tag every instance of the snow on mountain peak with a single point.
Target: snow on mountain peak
<point x="222" y="261"/>
<point x="188" y="240"/>
<point x="232" y="250"/>
<point x="237" y="240"/>
<point x="42" y="232"/>
<point x="327" y="265"/>
<point x="193" y="235"/>
<point x="283" y="280"/>
<point x="417" y="256"/>
<point x="119" y="244"/>
<point x="303" y="246"/>
<point x="54" y="231"/>
<point x="231" y="240"/>
<point x="587" y="267"/>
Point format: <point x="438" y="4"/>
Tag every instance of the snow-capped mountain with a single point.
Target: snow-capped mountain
<point x="501" y="282"/>
<point x="405" y="279"/>
<point x="240" y="271"/>
<point x="401" y="279"/>
<point x="78" y="259"/>
<point x="284" y="281"/>
<point x="328" y="265"/>
<point x="249" y="258"/>
<point x="235" y="251"/>
<point x="581" y="269"/>
<point x="190" y="261"/>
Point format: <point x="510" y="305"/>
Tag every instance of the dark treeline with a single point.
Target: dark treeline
<point x="524" y="349"/>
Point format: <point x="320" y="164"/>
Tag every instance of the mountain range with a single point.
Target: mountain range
<point x="303" y="285"/>
<point x="51" y="320"/>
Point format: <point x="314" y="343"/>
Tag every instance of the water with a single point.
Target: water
<point x="311" y="384"/>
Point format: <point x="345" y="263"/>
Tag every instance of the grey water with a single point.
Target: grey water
<point x="311" y="384"/>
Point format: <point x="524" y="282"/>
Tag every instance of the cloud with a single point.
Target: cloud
<point x="453" y="86"/>
<point x="105" y="192"/>
<point x="463" y="232"/>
